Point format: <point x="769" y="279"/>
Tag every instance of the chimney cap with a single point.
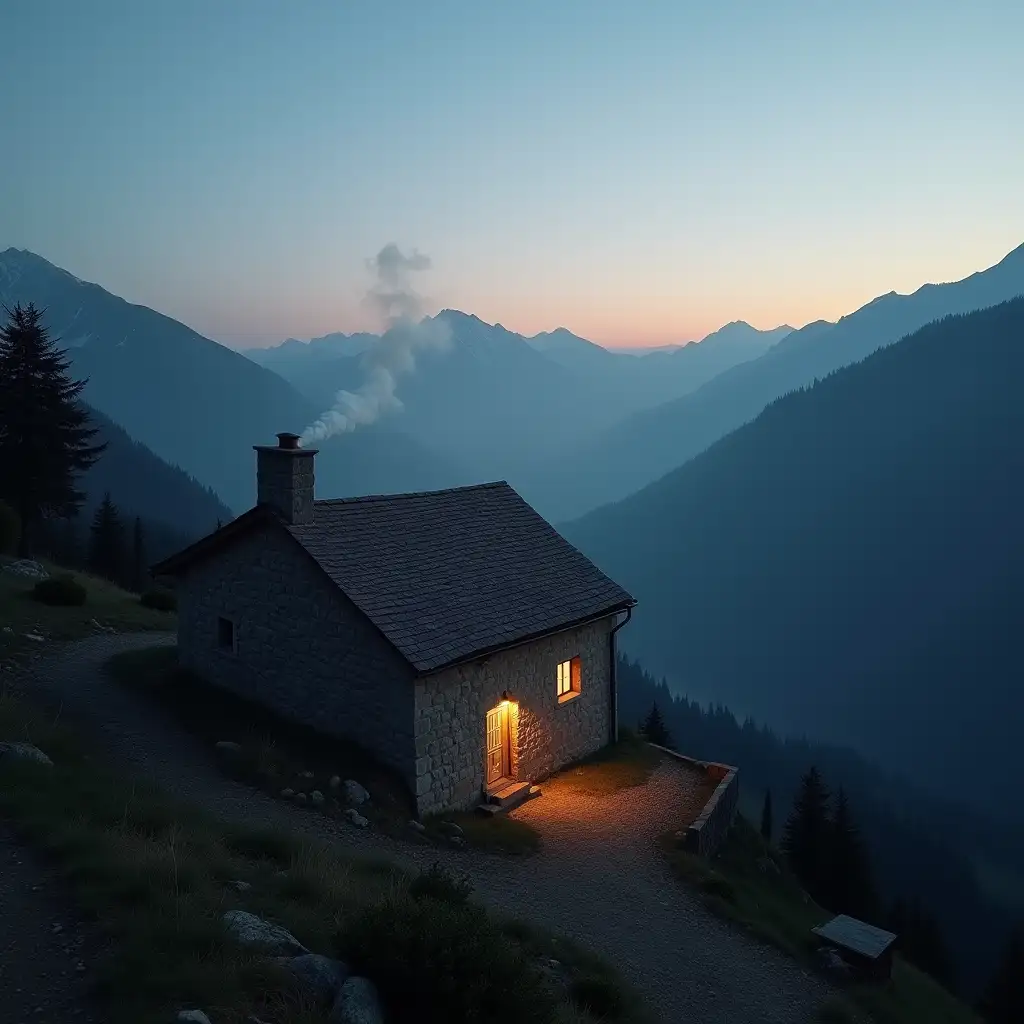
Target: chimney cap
<point x="286" y="439"/>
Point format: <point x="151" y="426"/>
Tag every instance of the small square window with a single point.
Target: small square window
<point x="225" y="634"/>
<point x="569" y="679"/>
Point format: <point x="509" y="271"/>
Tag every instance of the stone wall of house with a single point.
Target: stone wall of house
<point x="452" y="706"/>
<point x="300" y="646"/>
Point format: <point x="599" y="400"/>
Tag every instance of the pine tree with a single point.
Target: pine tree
<point x="106" y="550"/>
<point x="45" y="436"/>
<point x="766" y="817"/>
<point x="848" y="887"/>
<point x="138" y="575"/>
<point x="1003" y="1001"/>
<point x="653" y="728"/>
<point x="806" y="834"/>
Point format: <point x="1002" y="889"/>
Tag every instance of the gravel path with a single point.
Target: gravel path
<point x="46" y="949"/>
<point x="599" y="878"/>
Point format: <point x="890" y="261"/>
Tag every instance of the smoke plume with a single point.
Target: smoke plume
<point x="405" y="333"/>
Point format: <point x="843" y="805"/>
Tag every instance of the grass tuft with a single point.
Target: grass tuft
<point x="622" y="765"/>
<point x="493" y="833"/>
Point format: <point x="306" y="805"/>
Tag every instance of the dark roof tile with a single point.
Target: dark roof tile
<point x="445" y="575"/>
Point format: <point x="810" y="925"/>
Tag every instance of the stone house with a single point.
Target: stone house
<point x="454" y="634"/>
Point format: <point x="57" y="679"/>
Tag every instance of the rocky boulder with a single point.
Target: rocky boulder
<point x="318" y="977"/>
<point x="23" y="752"/>
<point x="27" y="569"/>
<point x="355" y="794"/>
<point x="357" y="1003"/>
<point x="255" y="933"/>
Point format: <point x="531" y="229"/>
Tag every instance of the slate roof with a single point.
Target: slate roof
<point x="449" y="575"/>
<point x="855" y="935"/>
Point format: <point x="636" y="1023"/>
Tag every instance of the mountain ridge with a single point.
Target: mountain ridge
<point x="853" y="547"/>
<point x="652" y="442"/>
<point x="194" y="402"/>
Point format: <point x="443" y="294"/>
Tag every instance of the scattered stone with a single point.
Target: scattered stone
<point x="101" y="627"/>
<point x="354" y="793"/>
<point x="450" y="829"/>
<point x="287" y="793"/>
<point x="335" y="781"/>
<point x="301" y="798"/>
<point x="228" y="747"/>
<point x="357" y="1003"/>
<point x="7" y="629"/>
<point x="832" y="963"/>
<point x="552" y="971"/>
<point x="317" y="797"/>
<point x="417" y="826"/>
<point x="306" y="775"/>
<point x="239" y="886"/>
<point x="192" y="1017"/>
<point x="27" y="569"/>
<point x="457" y="840"/>
<point x="35" y="636"/>
<point x="24" y="752"/>
<point x="249" y="930"/>
<point x="355" y="818"/>
<point x="319" y="977"/>
<point x="57" y="929"/>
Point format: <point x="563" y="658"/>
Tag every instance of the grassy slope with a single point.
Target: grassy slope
<point x="749" y="884"/>
<point x="106" y="603"/>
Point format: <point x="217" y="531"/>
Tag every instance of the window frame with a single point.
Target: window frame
<point x="227" y="648"/>
<point x="569" y="679"/>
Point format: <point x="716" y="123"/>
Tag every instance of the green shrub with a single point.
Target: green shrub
<point x="60" y="591"/>
<point x="440" y="884"/>
<point x="436" y="960"/>
<point x="598" y="996"/>
<point x="10" y="529"/>
<point x="262" y="844"/>
<point x="716" y="885"/>
<point x="160" y="600"/>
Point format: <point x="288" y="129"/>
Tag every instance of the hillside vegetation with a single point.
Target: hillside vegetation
<point x="851" y="565"/>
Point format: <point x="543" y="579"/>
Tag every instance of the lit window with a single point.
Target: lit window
<point x="569" y="679"/>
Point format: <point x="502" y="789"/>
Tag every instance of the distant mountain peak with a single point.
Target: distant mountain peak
<point x="25" y="259"/>
<point x="457" y="314"/>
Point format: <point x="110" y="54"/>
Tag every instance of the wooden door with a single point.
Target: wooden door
<point x="497" y="745"/>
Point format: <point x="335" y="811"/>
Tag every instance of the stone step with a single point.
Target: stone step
<point x="505" y="800"/>
<point x="511" y="795"/>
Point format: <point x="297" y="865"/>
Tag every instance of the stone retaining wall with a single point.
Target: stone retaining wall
<point x="705" y="835"/>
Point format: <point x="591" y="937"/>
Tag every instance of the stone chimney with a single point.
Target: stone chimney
<point x="284" y="478"/>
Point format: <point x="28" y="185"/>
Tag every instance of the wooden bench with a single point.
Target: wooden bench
<point x="868" y="950"/>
